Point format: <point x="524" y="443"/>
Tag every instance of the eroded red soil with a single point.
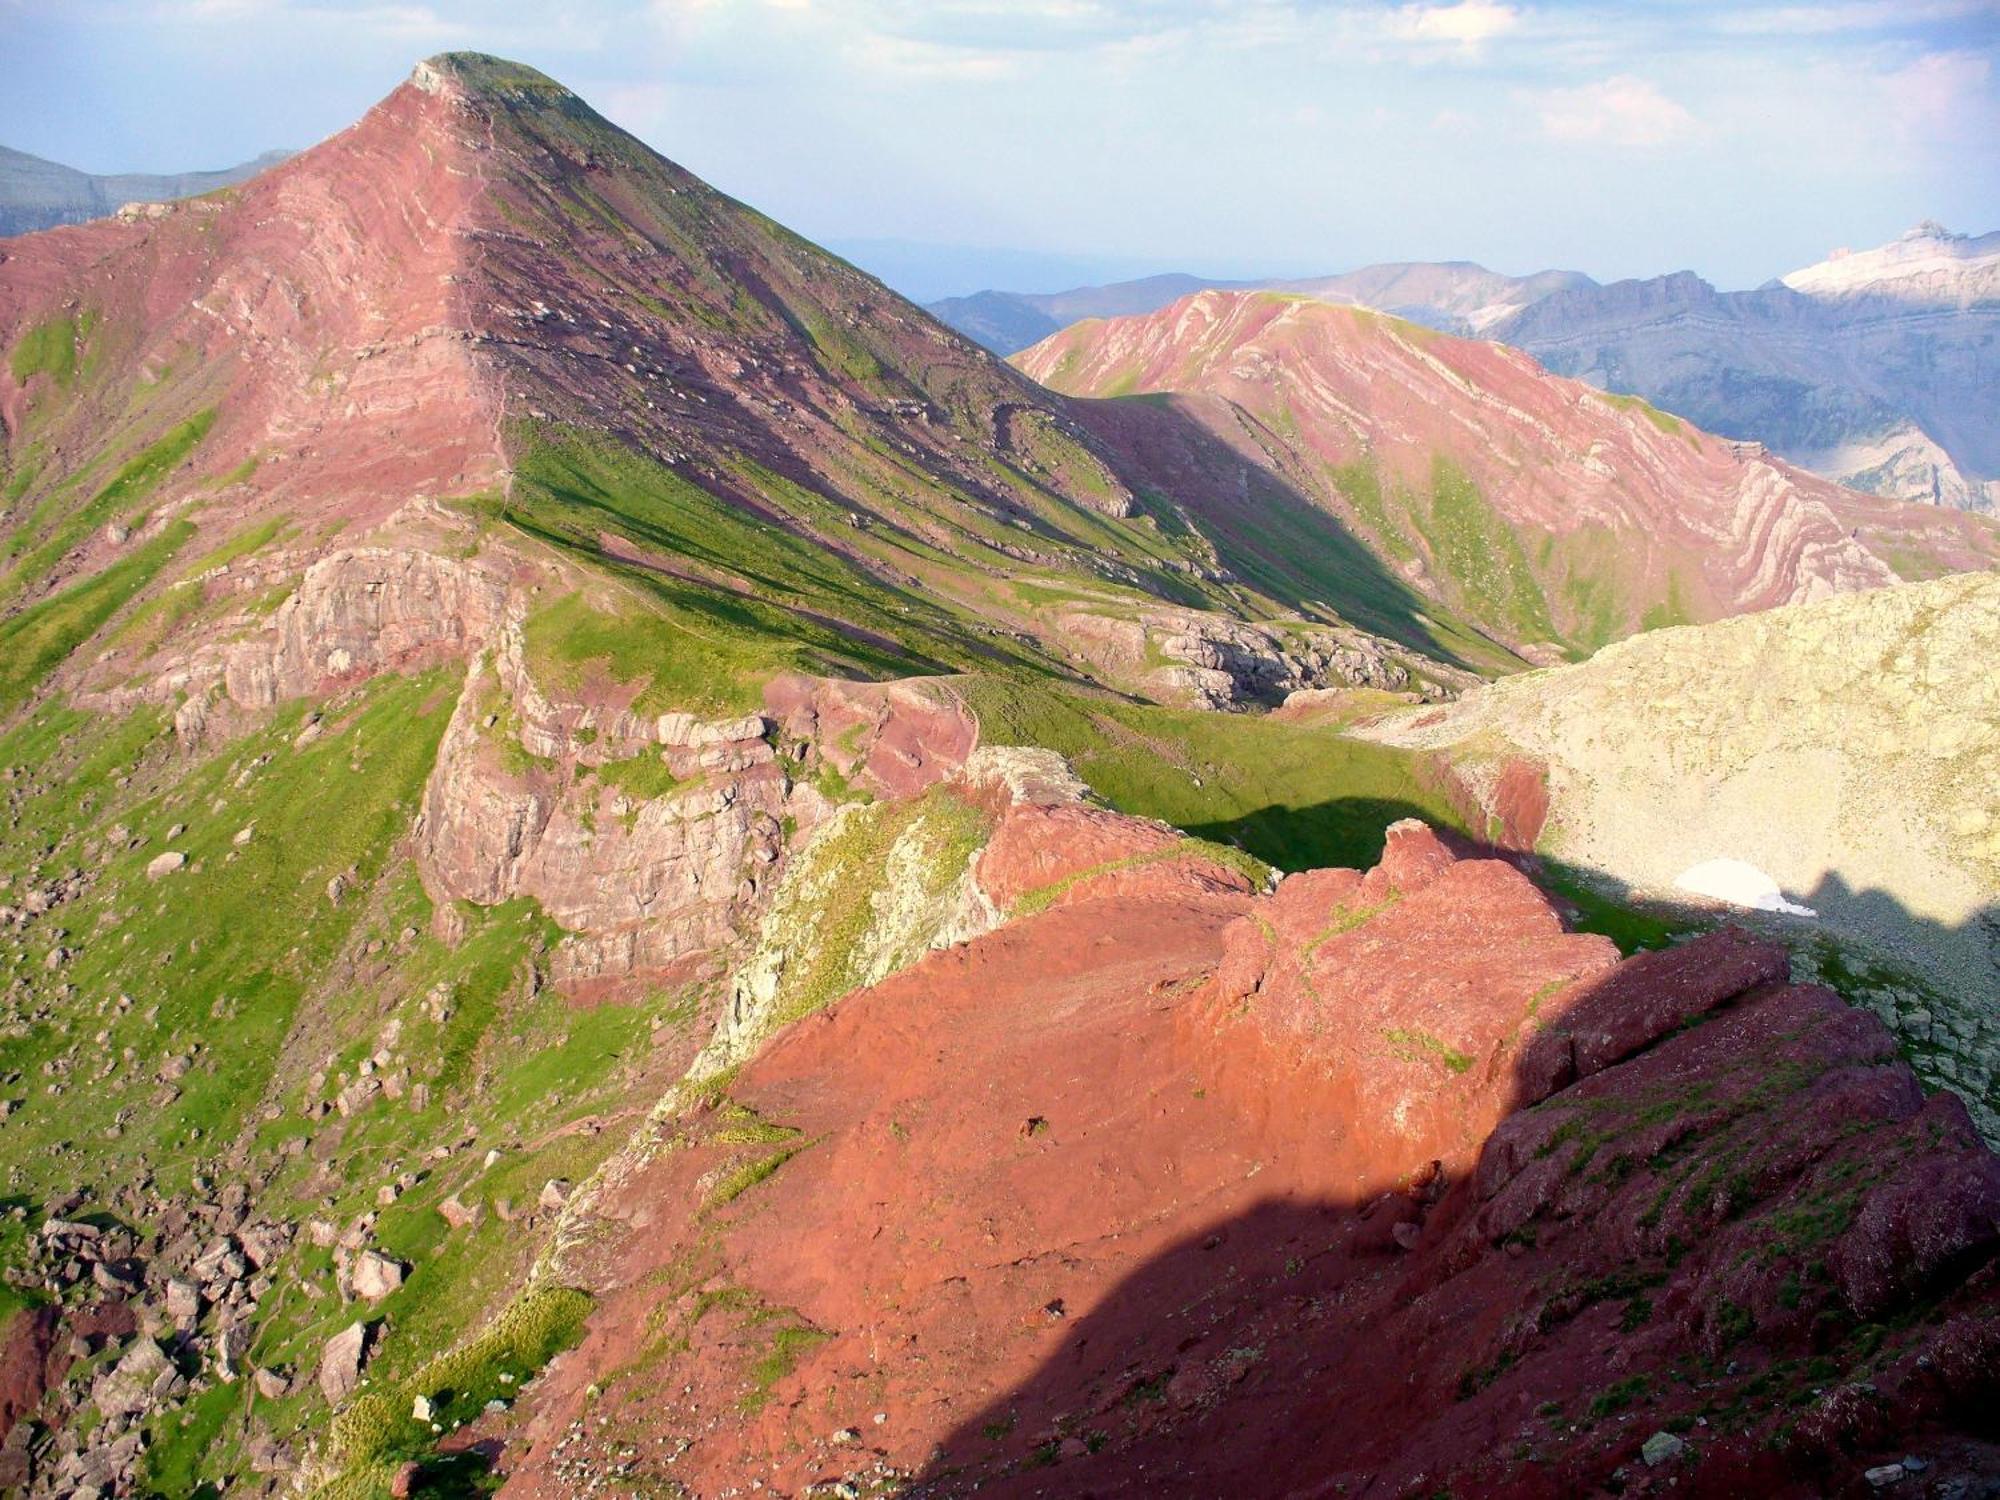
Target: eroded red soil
<point x="1383" y="1184"/>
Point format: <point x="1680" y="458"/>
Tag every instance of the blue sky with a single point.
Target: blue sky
<point x="1223" y="136"/>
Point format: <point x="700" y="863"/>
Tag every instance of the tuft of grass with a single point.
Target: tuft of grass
<point x="1616" y="1397"/>
<point x="788" y="1343"/>
<point x="50" y="348"/>
<point x="642" y="778"/>
<point x="1421" y="1046"/>
<point x="1249" y="866"/>
<point x="736" y="1183"/>
<point x="1666" y="422"/>
<point x="376" y="1431"/>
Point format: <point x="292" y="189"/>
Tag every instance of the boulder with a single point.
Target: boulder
<point x="183" y="1301"/>
<point x="340" y="1362"/>
<point x="128" y="1388"/>
<point x="272" y="1385"/>
<point x="375" y="1275"/>
<point x="1662" y="1448"/>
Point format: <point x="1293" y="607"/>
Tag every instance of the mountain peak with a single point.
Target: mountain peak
<point x="481" y="74"/>
<point x="1927" y="263"/>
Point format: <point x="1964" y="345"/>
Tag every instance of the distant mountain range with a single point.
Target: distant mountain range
<point x="39" y="194"/>
<point x="1879" y="369"/>
<point x="1557" y="516"/>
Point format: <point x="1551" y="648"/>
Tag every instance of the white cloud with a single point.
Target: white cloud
<point x="1938" y="95"/>
<point x="1469" y="25"/>
<point x="1621" y="111"/>
<point x="911" y="58"/>
<point x="417" y="24"/>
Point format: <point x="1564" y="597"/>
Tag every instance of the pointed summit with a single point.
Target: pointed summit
<point x="482" y="73"/>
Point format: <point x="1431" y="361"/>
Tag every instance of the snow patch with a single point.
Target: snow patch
<point x="1739" y="884"/>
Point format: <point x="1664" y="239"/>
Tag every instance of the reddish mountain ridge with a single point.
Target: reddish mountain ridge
<point x="1543" y="507"/>
<point x="482" y="283"/>
<point x="1380" y="1184"/>
<point x="482" y="376"/>
<point x="436" y="576"/>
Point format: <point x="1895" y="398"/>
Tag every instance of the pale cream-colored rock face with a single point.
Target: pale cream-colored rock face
<point x="923" y="894"/>
<point x="1849" y="748"/>
<point x="364" y="611"/>
<point x="641" y="884"/>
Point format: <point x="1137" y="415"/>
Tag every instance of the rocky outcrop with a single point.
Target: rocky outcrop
<point x="879" y="885"/>
<point x="643" y="881"/>
<point x="1210" y="661"/>
<point x="1129" y="1182"/>
<point x="362" y="612"/>
<point x="894" y="739"/>
<point x="1847" y="749"/>
<point x="657" y="843"/>
<point x="1442" y="974"/>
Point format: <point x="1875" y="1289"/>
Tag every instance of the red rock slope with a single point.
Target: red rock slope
<point x="1542" y="506"/>
<point x="484" y="282"/>
<point x="1382" y="1184"/>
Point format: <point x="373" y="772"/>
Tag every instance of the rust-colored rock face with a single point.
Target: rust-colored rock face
<point x="1647" y="513"/>
<point x="1181" y="1190"/>
<point x="27" y="1340"/>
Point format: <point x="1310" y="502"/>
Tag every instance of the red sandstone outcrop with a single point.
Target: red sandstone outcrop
<point x="893" y="739"/>
<point x="1187" y="1191"/>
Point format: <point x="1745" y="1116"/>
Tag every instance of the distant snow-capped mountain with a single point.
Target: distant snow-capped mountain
<point x="1929" y="265"/>
<point x="1876" y="368"/>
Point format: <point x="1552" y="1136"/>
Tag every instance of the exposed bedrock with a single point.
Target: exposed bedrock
<point x="1378" y="1184"/>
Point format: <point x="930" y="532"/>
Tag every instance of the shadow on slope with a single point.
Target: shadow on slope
<point x="1713" y="1236"/>
<point x="1963" y="957"/>
<point x="1935" y="985"/>
<point x="1268" y="531"/>
<point x="1344" y="832"/>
